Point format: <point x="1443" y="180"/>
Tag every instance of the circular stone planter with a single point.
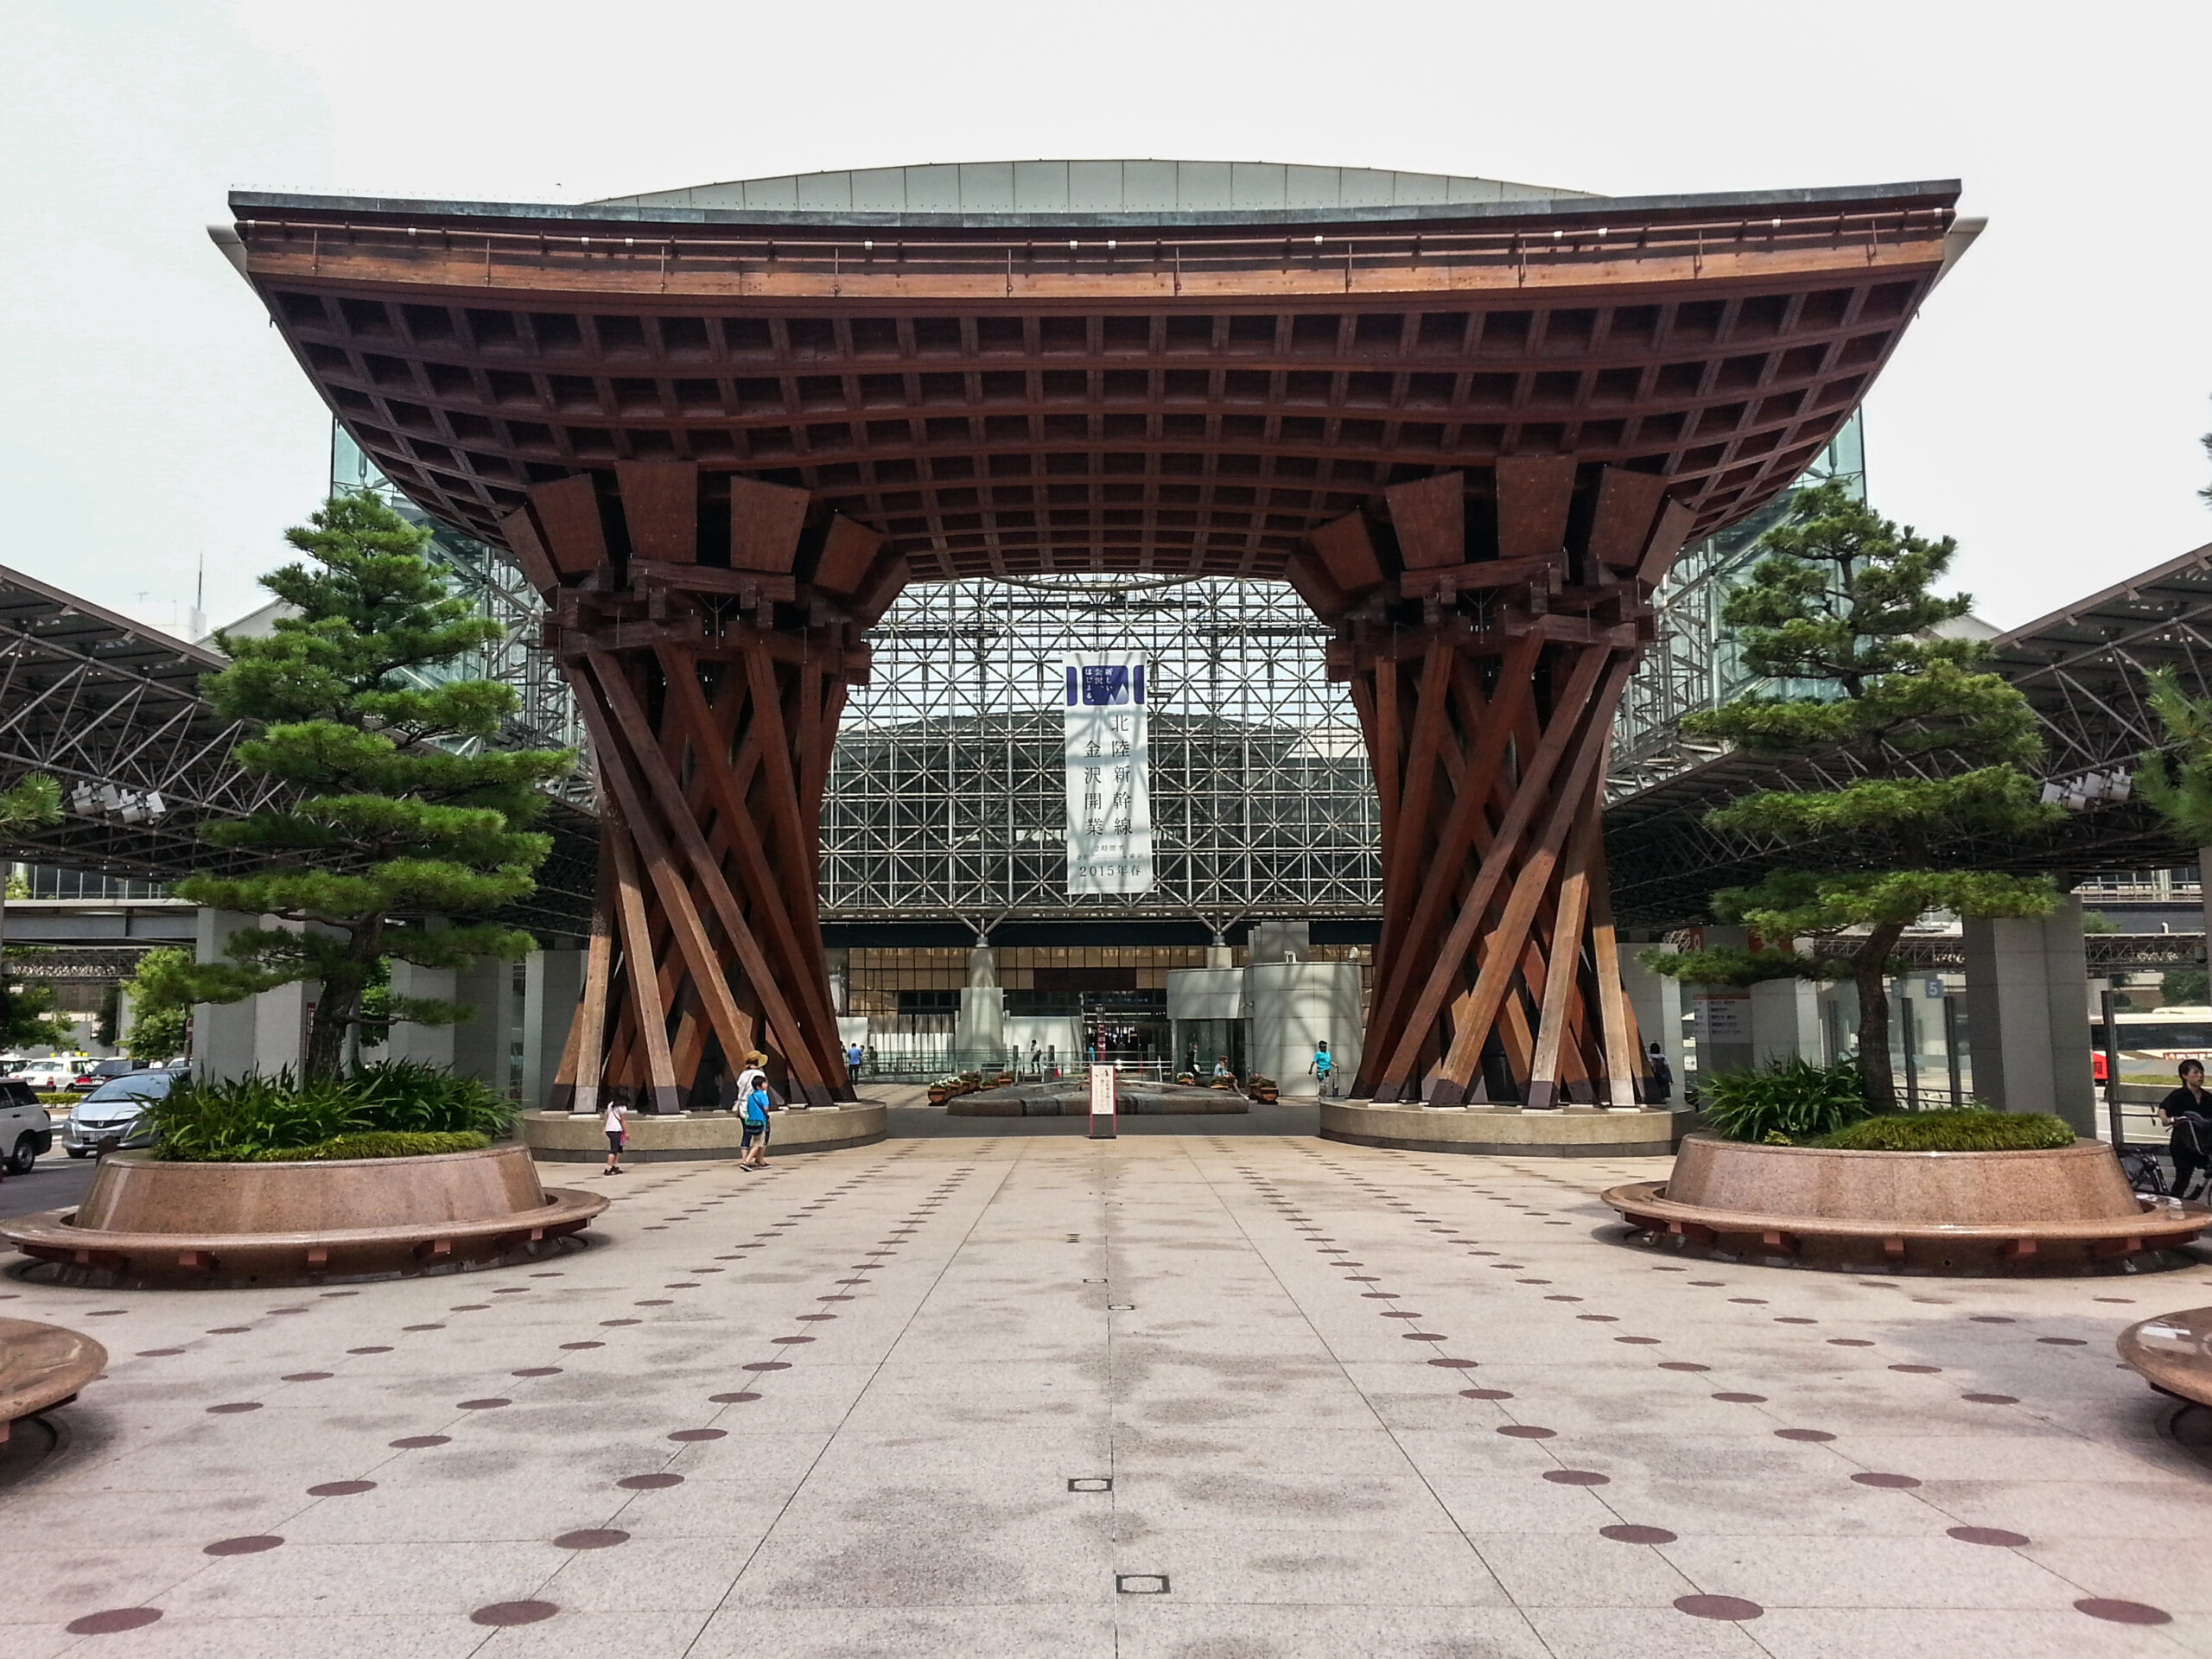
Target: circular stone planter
<point x="2065" y="1209"/>
<point x="576" y="1137"/>
<point x="43" y="1366"/>
<point x="147" y="1222"/>
<point x="2173" y="1353"/>
<point x="1508" y="1131"/>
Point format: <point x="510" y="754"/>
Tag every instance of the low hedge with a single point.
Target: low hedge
<point x="389" y="1143"/>
<point x="1967" y="1130"/>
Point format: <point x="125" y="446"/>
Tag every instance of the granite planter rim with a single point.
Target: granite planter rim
<point x="2024" y="1210"/>
<point x="154" y="1222"/>
<point x="2083" y="1146"/>
<point x="43" y="1366"/>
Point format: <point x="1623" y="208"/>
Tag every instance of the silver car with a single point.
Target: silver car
<point x="111" y="1116"/>
<point x="25" y="1129"/>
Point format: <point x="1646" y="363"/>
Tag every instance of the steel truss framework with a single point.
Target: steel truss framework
<point x="88" y="696"/>
<point x="1472" y="439"/>
<point x="947" y="794"/>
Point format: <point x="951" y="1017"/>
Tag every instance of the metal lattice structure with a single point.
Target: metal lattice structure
<point x="947" y="794"/>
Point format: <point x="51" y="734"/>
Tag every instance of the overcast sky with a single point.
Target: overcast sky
<point x="2045" y="409"/>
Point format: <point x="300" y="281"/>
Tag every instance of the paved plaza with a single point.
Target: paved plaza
<point x="1213" y="1395"/>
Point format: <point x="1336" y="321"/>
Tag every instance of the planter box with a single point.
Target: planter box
<point x="2059" y="1210"/>
<point x="149" y="1223"/>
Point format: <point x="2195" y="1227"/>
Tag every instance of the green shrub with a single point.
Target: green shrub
<point x="407" y="1097"/>
<point x="380" y="1144"/>
<point x="1970" y="1129"/>
<point x="1785" y="1102"/>
<point x="239" y="1120"/>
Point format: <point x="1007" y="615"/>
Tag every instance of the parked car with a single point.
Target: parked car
<point x="110" y="1116"/>
<point x="25" y="1130"/>
<point x="46" y="1076"/>
<point x="97" y="1072"/>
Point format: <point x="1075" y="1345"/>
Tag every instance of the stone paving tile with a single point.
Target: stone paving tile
<point x="660" y="1444"/>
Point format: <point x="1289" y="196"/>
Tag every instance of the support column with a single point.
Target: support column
<point x="483" y="1044"/>
<point x="711" y="661"/>
<point x="979" y="1030"/>
<point x="2027" y="1016"/>
<point x="1485" y="661"/>
<point x="222" y="1033"/>
<point x="553" y="986"/>
<point x="424" y="1044"/>
<point x="1785" y="1021"/>
<point x="1656" y="1002"/>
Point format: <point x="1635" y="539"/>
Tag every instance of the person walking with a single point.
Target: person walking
<point x="1662" y="1075"/>
<point x="617" y="1125"/>
<point x="1320" y="1067"/>
<point x="753" y="1150"/>
<point x="2187" y="1111"/>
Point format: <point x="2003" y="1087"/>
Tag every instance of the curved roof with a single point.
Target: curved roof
<point x="1095" y="186"/>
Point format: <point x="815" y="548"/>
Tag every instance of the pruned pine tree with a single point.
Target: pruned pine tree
<point x="1841" y="612"/>
<point x="397" y="814"/>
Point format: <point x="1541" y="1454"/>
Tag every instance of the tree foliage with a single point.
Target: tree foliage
<point x="401" y="822"/>
<point x="1840" y="610"/>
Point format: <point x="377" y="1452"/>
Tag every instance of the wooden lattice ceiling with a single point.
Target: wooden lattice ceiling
<point x="1002" y="400"/>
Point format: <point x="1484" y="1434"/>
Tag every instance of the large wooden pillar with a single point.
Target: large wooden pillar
<point x="711" y="625"/>
<point x="1486" y="639"/>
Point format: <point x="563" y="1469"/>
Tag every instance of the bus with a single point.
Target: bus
<point x="2154" y="1043"/>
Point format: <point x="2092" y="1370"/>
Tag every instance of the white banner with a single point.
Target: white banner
<point x="1109" y="808"/>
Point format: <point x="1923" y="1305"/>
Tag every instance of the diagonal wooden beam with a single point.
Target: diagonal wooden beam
<point x="649" y="1014"/>
<point x="1569" y="913"/>
<point x="1589" y="736"/>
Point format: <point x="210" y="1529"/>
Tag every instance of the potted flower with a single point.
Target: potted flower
<point x="1262" y="1090"/>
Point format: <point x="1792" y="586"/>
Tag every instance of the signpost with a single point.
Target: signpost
<point x="1103" y="1126"/>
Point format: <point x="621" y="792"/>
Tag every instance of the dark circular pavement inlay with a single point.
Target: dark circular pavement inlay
<point x="1729" y="1607"/>
<point x="234" y="1406"/>
<point x="342" y="1488"/>
<point x="308" y="1376"/>
<point x="621" y="1321"/>
<point x="536" y="1370"/>
<point x="582" y="1344"/>
<point x="2062" y="1341"/>
<point x="593" y="1538"/>
<point x="158" y="1353"/>
<point x="1849" y="1342"/>
<point x="700" y="1434"/>
<point x="1634" y="1535"/>
<point x="1815" y="1435"/>
<point x="1526" y="1432"/>
<point x="249" y="1546"/>
<point x="421" y="1327"/>
<point x="648" y="1483"/>
<point x="1640" y="1341"/>
<point x="1989" y="1535"/>
<point x="766" y="1365"/>
<point x="1455" y="1364"/>
<point x="384" y="1348"/>
<point x="1917" y="1370"/>
<point x="1682" y="1365"/>
<point x="414" y="1441"/>
<point x="2120" y="1612"/>
<point x="1735" y="1399"/>
<point x="114" y="1619"/>
<point x="1899" y="1483"/>
<point x="1485" y="1394"/>
<point x="1993" y="1399"/>
<point x="1576" y="1477"/>
<point x="1993" y="1318"/>
<point x="513" y="1612"/>
<point x="739" y="1398"/>
<point x="492" y="1403"/>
